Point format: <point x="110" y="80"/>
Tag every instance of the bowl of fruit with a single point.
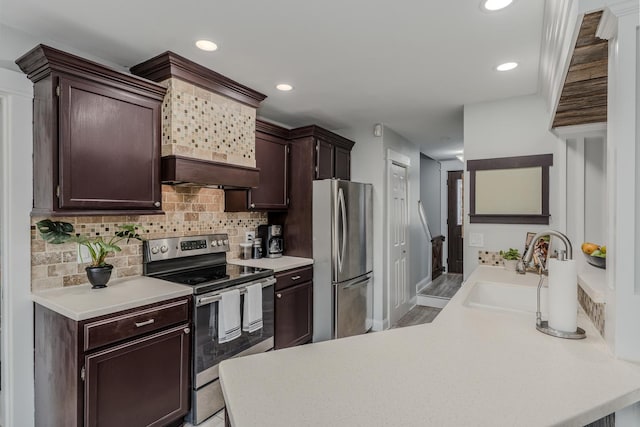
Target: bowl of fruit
<point x="595" y="255"/>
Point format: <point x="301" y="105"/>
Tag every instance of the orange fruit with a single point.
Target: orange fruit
<point x="588" y="248"/>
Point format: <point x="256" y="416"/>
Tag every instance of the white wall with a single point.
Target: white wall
<point x="507" y="128"/>
<point x="15" y="206"/>
<point x="622" y="320"/>
<point x="368" y="164"/>
<point x="430" y="192"/>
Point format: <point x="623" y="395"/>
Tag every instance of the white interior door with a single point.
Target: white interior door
<point x="398" y="245"/>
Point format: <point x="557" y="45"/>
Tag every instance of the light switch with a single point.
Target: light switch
<point x="476" y="240"/>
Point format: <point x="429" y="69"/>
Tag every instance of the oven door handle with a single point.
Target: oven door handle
<point x="213" y="298"/>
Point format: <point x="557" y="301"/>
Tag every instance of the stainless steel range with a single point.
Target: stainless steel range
<point x="200" y="262"/>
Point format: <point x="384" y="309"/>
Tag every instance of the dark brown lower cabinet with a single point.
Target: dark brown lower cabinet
<point x="139" y="383"/>
<point x="293" y="308"/>
<point x="130" y="368"/>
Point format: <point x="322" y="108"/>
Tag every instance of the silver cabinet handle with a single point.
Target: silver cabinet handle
<point x="145" y="323"/>
<point x="278" y="296"/>
<point x="295" y="277"/>
<point x="252" y="205"/>
<point x="186" y="330"/>
<point x="156" y="204"/>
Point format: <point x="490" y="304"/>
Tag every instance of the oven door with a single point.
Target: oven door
<point x="208" y="352"/>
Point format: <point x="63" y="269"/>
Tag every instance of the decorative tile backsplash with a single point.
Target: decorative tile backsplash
<point x="204" y="125"/>
<point x="595" y="311"/>
<point x="189" y="211"/>
<point x="489" y="258"/>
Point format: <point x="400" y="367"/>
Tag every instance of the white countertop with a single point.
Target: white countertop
<point x="275" y="264"/>
<point x="81" y="302"/>
<point x="470" y="367"/>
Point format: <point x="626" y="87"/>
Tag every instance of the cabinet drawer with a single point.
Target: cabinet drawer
<point x="293" y="277"/>
<point x="114" y="329"/>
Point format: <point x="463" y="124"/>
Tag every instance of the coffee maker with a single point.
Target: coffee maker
<point x="272" y="241"/>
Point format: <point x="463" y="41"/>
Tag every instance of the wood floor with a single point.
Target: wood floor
<point x="444" y="286"/>
<point x="417" y="316"/>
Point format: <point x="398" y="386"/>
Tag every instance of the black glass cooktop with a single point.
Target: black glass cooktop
<point x="206" y="279"/>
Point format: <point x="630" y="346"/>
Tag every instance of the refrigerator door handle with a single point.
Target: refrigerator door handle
<point x="357" y="282"/>
<point x="343" y="219"/>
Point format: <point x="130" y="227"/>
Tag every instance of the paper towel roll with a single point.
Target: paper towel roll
<point x="563" y="295"/>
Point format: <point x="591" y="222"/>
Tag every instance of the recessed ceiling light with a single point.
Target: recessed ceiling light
<point x="493" y="5"/>
<point x="207" y="45"/>
<point x="284" y="87"/>
<point x="507" y="66"/>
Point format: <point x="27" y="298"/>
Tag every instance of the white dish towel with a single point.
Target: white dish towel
<point x="252" y="310"/>
<point x="229" y="316"/>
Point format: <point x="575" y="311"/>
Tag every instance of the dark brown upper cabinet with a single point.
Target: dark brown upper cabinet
<point x="332" y="157"/>
<point x="96" y="137"/>
<point x="316" y="153"/>
<point x="272" y="158"/>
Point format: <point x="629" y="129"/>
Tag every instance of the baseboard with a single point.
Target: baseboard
<point x="378" y="325"/>
<point x="431" y="301"/>
<point x="423" y="284"/>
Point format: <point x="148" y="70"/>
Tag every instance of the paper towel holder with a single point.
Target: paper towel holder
<point x="543" y="325"/>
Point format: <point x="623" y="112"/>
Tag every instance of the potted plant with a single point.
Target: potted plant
<point x="99" y="272"/>
<point x="510" y="258"/>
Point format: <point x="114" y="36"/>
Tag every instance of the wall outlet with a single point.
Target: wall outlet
<point x="83" y="254"/>
<point x="476" y="240"/>
<point x="249" y="236"/>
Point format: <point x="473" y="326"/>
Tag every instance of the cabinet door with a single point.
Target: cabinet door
<point x="109" y="148"/>
<point x="342" y="163"/>
<point x="293" y="315"/>
<point x="273" y="161"/>
<point x="144" y="382"/>
<point x="324" y="159"/>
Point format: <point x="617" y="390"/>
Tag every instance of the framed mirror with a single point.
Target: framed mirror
<point x="510" y="190"/>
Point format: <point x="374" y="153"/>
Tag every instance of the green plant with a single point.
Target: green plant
<point x="511" y="254"/>
<point x="58" y="232"/>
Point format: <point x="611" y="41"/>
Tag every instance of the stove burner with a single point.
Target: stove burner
<point x="211" y="278"/>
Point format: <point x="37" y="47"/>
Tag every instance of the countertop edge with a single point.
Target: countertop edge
<point x="81" y="302"/>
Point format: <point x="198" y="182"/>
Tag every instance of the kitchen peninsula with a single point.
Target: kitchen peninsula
<point x="471" y="366"/>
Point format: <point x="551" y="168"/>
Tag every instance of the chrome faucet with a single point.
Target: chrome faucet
<point x="567" y="245"/>
<point x="563" y="255"/>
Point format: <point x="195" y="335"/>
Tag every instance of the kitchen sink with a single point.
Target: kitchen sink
<point x="506" y="297"/>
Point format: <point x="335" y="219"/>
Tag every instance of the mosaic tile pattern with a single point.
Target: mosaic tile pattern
<point x="204" y="125"/>
<point x="489" y="258"/>
<point x="189" y="211"/>
<point x="595" y="311"/>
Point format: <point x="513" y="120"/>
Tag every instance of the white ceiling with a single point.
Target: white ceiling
<point x="410" y="64"/>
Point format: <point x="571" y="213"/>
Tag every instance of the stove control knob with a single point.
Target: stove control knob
<point x="214" y="243"/>
<point x="226" y="242"/>
<point x="154" y="250"/>
<point x="164" y="249"/>
<point x="219" y="242"/>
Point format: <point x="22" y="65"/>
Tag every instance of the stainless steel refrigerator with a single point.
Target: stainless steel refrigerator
<point x="342" y="255"/>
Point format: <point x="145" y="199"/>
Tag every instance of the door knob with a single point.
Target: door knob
<point x="156" y="204"/>
<point x="278" y="296"/>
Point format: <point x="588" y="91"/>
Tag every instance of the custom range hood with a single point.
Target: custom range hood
<point x="179" y="170"/>
<point x="208" y="124"/>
